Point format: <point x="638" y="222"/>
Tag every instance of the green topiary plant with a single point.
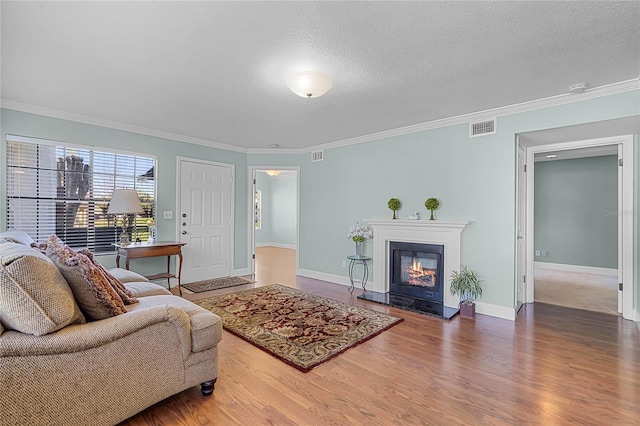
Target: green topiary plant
<point x="432" y="204"/>
<point x="394" y="204"/>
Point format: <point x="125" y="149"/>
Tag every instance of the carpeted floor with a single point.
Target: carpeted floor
<point x="216" y="284"/>
<point x="301" y="329"/>
<point x="582" y="291"/>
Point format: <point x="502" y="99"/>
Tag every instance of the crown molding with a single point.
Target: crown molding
<point x="86" y="119"/>
<point x="564" y="99"/>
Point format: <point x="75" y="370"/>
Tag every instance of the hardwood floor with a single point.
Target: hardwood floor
<point x="553" y="366"/>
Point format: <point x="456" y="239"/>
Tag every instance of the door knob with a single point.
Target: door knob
<point x="184" y="232"/>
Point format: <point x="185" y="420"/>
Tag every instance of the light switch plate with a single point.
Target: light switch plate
<point x="168" y="214"/>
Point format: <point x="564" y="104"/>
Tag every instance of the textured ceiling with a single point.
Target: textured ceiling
<point x="217" y="70"/>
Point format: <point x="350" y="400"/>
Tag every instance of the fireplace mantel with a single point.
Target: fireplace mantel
<point x="444" y="232"/>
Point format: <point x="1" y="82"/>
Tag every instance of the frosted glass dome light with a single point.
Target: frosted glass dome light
<point x="309" y="84"/>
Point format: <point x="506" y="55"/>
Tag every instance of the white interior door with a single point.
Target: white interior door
<point x="521" y="227"/>
<point x="205" y="220"/>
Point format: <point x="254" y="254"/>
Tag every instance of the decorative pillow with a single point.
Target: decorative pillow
<point x="125" y="294"/>
<point x="95" y="296"/>
<point x="34" y="296"/>
<point x="17" y="236"/>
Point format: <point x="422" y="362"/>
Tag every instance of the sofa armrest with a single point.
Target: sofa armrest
<point x="80" y="337"/>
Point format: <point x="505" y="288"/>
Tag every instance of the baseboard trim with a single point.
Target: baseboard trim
<point x="481" y="307"/>
<point x="497" y="311"/>
<point x="335" y="279"/>
<point x="278" y="245"/>
<point x="576" y="268"/>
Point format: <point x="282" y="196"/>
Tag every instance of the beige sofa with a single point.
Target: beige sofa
<point x="102" y="372"/>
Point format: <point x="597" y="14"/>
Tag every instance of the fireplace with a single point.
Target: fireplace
<point x="431" y="290"/>
<point x="416" y="270"/>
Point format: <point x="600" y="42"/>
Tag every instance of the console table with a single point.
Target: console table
<point x="160" y="248"/>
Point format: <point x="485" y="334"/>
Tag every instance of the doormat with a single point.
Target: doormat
<point x="301" y="329"/>
<point x="216" y="284"/>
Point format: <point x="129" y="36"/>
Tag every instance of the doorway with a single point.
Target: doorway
<point x="274" y="224"/>
<point x="205" y="212"/>
<point x="624" y="147"/>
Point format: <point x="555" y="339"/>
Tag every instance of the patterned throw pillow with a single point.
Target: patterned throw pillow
<point x="34" y="296"/>
<point x="92" y="290"/>
<point x="125" y="294"/>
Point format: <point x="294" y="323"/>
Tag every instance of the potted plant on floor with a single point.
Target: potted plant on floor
<point x="468" y="285"/>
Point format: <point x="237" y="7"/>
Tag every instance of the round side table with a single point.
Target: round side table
<point x="353" y="261"/>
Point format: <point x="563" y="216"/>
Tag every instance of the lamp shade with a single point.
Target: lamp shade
<point x="124" y="201"/>
<point x="309" y="84"/>
<point x="273" y="172"/>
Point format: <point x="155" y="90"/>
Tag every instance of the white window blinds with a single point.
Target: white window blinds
<point x="55" y="188"/>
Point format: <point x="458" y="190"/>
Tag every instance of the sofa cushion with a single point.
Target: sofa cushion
<point x="146" y="288"/>
<point x="91" y="289"/>
<point x="17" y="236"/>
<point x="34" y="296"/>
<point x="125" y="294"/>
<point x="126" y="276"/>
<point x="206" y="327"/>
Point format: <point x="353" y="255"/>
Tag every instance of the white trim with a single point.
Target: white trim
<point x="626" y="222"/>
<point x="179" y="160"/>
<point x="497" y="311"/>
<point x="335" y="279"/>
<point x="566" y="98"/>
<point x="277" y="245"/>
<point x="610" y="272"/>
<point x="86" y="119"/>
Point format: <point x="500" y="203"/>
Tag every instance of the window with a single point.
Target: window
<point x="57" y="188"/>
<point x="257" y="209"/>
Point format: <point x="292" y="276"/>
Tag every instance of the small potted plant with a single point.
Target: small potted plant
<point x="394" y="204"/>
<point x="432" y="204"/>
<point x="358" y="233"/>
<point x="468" y="285"/>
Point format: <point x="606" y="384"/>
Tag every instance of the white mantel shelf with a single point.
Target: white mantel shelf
<point x="442" y="232"/>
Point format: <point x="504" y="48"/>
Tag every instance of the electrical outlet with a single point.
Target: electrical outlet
<point x="326" y="261"/>
<point x="168" y="214"/>
<point x="538" y="253"/>
<point x="344" y="263"/>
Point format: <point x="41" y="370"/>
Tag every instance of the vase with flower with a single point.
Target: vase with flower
<point x="359" y="233"/>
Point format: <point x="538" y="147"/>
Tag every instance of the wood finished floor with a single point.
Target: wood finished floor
<point x="553" y="366"/>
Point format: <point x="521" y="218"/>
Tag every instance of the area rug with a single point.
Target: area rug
<point x="216" y="284"/>
<point x="301" y="329"/>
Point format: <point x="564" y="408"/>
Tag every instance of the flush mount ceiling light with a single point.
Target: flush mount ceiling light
<point x="551" y="156"/>
<point x="578" y="88"/>
<point x="309" y="84"/>
<point x="273" y="172"/>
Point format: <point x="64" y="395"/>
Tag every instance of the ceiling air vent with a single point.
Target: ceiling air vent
<point x="317" y="156"/>
<point x="481" y="128"/>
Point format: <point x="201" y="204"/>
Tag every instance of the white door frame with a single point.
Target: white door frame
<point x="625" y="218"/>
<point x="179" y="161"/>
<point x="251" y="234"/>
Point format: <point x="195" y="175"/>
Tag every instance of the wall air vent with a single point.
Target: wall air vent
<point x="481" y="128"/>
<point x="317" y="156"/>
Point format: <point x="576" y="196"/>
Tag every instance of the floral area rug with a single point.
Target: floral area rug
<point x="301" y="329"/>
<point x="216" y="284"/>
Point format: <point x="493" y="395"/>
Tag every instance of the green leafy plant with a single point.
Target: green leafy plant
<point x="467" y="284"/>
<point x="432" y="204"/>
<point x="394" y="204"/>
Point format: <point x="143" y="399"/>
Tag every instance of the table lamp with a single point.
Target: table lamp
<point x="125" y="202"/>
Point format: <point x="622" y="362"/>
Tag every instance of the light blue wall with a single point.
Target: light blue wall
<point x="167" y="151"/>
<point x="575" y="203"/>
<point x="474" y="179"/>
<point x="278" y="209"/>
